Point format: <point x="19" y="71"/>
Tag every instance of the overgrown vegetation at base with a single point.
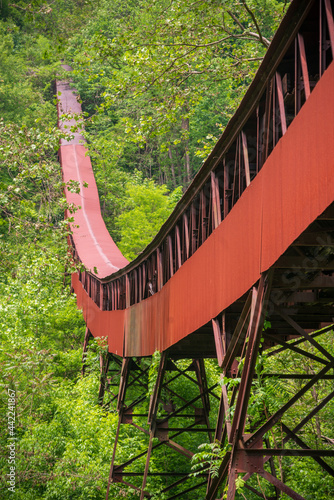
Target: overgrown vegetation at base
<point x="159" y="81"/>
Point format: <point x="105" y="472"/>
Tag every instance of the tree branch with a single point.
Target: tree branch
<point x="45" y="9"/>
<point x="236" y="20"/>
<point x="262" y="39"/>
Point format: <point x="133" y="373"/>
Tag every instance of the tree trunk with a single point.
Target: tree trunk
<point x="170" y="156"/>
<point x="185" y="126"/>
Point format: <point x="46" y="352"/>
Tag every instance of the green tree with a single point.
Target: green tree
<point x="158" y="65"/>
<point x="146" y="208"/>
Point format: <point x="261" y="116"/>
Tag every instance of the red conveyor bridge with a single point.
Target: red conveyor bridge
<point x="251" y="240"/>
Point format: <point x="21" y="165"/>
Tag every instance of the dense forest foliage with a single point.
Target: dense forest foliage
<point x="158" y="81"/>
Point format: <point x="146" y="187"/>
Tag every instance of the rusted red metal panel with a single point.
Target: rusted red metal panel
<point x="93" y="242"/>
<point x="101" y="323"/>
<point x="293" y="188"/>
<point x="220" y="271"/>
<point x="298" y="178"/>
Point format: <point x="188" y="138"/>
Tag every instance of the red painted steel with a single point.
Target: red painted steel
<point x="294" y="187"/>
<point x="93" y="242"/>
<point x="101" y="323"/>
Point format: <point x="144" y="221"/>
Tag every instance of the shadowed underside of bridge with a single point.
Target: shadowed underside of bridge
<point x="243" y="266"/>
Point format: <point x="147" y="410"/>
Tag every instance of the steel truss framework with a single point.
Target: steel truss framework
<point x="249" y="452"/>
<point x="192" y="413"/>
<point x="289" y="311"/>
<point x="299" y="317"/>
<point x="252" y="450"/>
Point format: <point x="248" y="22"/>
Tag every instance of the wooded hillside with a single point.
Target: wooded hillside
<point x="158" y="80"/>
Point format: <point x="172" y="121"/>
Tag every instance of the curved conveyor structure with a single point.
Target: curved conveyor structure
<point x="252" y="235"/>
<point x="293" y="187"/>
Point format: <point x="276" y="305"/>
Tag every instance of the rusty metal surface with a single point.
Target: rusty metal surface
<point x="187" y="285"/>
<point x="298" y="179"/>
<point x="101" y="323"/>
<point x="93" y="242"/>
